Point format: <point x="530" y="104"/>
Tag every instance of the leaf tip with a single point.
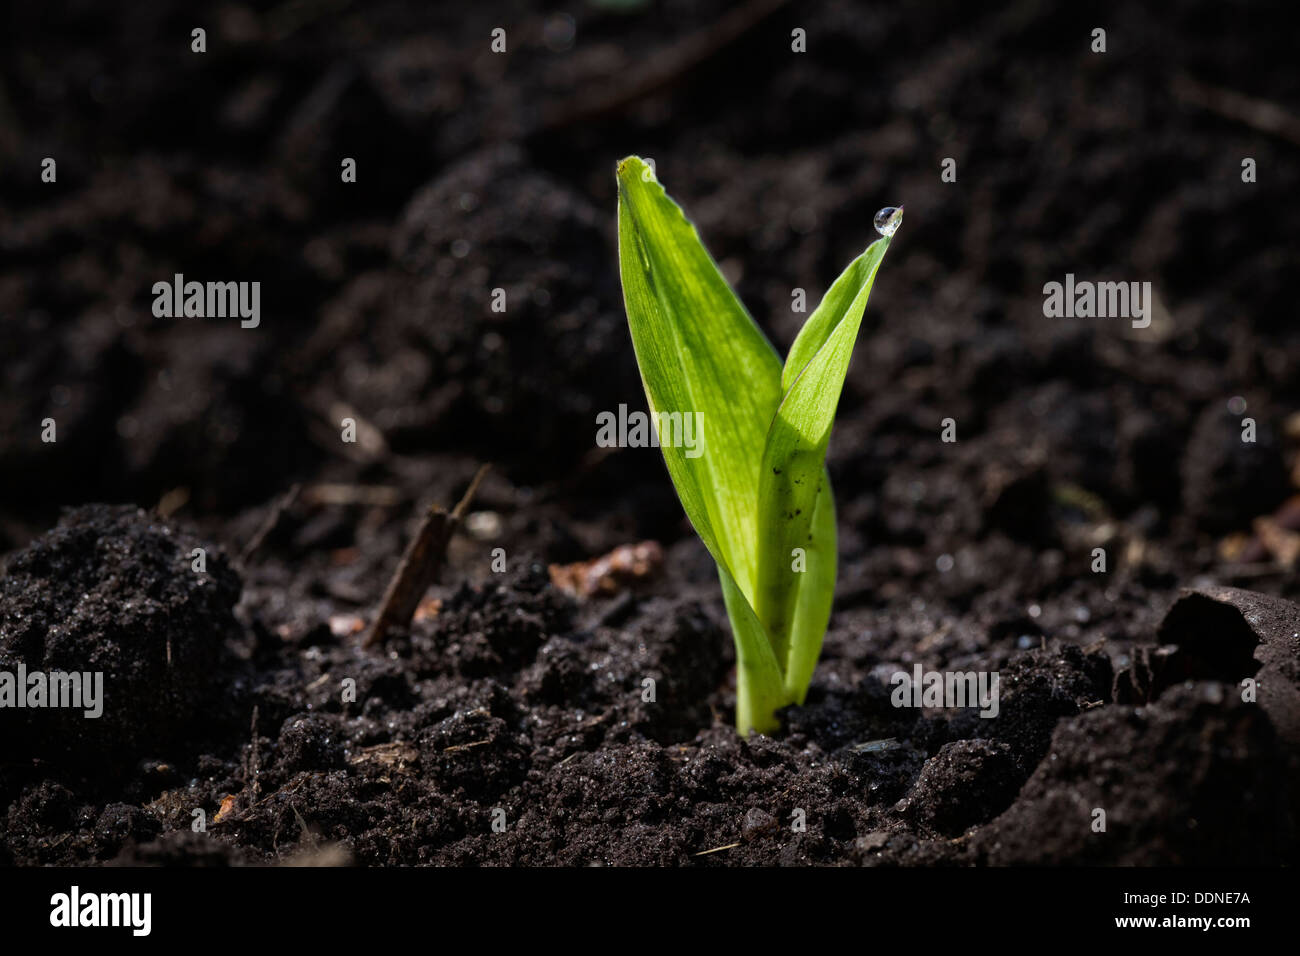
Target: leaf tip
<point x="630" y="168"/>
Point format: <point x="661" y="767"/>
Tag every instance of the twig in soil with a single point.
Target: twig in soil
<point x="472" y="743"/>
<point x="270" y="522"/>
<point x="420" y="565"/>
<point x="255" y="760"/>
<point x="668" y="67"/>
<point x="718" y="849"/>
<point x="1258" y="114"/>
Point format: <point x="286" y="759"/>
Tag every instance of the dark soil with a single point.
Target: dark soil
<point x="243" y="691"/>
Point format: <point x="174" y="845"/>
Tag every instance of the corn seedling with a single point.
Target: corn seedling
<point x="755" y="488"/>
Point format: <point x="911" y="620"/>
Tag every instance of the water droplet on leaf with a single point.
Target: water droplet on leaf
<point x="888" y="219"/>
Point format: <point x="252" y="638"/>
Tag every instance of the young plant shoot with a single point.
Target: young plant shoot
<point x="758" y="495"/>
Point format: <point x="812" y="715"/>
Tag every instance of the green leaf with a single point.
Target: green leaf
<point x="793" y="478"/>
<point x="853" y="284"/>
<point x="698" y="351"/>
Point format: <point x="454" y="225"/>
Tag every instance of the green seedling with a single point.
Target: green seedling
<point x="754" y="484"/>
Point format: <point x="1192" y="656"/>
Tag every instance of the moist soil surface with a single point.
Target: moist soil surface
<point x="1102" y="534"/>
